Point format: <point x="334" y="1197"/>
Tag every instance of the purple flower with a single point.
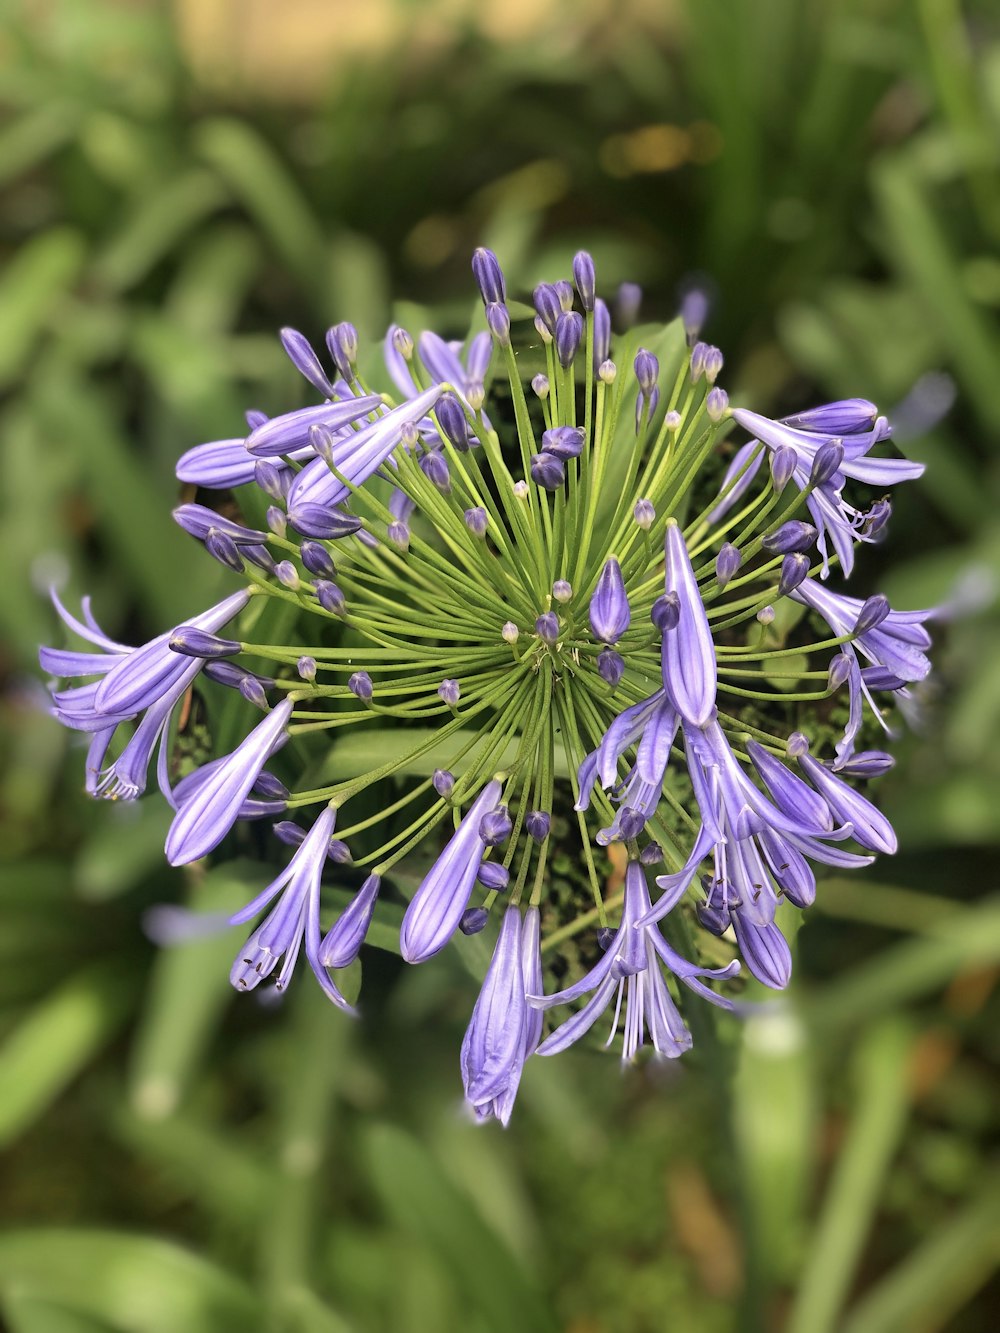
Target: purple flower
<point x="203" y="821"/>
<point x="652" y="724"/>
<point x="609" y="608"/>
<point x="493" y="1050"/>
<point x="630" y="968"/>
<point x="290" y="431"/>
<point x="689" y="669"/>
<point x="217" y="465"/>
<point x="343" y="941"/>
<point x="437" y="906"/>
<point x="294" y="917"/>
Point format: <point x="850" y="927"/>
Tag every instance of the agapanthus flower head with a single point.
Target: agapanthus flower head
<point x="542" y="619"/>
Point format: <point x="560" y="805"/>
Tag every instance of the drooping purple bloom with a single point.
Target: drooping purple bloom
<point x="203" y="821"/>
<point x="342" y="943"/>
<point x="651" y="725"/>
<point x="631" y="970"/>
<point x="293" y="919"/>
<point x="689" y="667"/>
<point x="437" y="906"/>
<point x="609" y="609"/>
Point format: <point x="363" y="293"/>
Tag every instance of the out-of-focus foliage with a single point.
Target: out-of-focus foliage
<point x="171" y="194"/>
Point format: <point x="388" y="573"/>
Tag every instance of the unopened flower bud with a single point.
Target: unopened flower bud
<point x="475" y="394"/>
<point x="797" y="745"/>
<point x="694" y="312"/>
<point x="783" y="463"/>
<point x="443" y="782"/>
<point x="403" y="343"/>
<point x="477" y="521"/>
<point x="473" y="920"/>
<point x="602" y="334"/>
<point x="537" y="824"/>
<point x="330" y="597"/>
<point x="563" y="442"/>
<point x="607" y="372"/>
<point x="647" y="369"/>
<point x="273" y="481"/>
<point x="547" y="471"/>
<point x="540" y="384"/>
<point x="520" y="490"/>
<point x="253" y="691"/>
<point x="766" y="615"/>
<point x="673" y="421"/>
<point x="399" y="534"/>
<point x="727" y="562"/>
<point x="452" y="421"/>
<point x="489" y="276"/>
<point x="360" y="685"/>
<point x="867" y="764"/>
<point x="291" y="834"/>
<point x="510" y="633"/>
<point x="317" y="559"/>
<point x="546" y="302"/>
<point x="305" y="360"/>
<point x="562" y="591"/>
<point x="610" y="666"/>
<point x="794" y="569"/>
<point x="585" y="279"/>
<point x="872" y="613"/>
<point x="564" y="291"/>
<point x="542" y="329"/>
<point x="493" y="876"/>
<point x="826" y="463"/>
<point x="498" y="322"/>
<point x="717" y="404"/>
<point x="306" y="667"/>
<point x="547" y="627"/>
<point x="286" y="574"/>
<point x="666" y="612"/>
<point x="342" y="342"/>
<point x="713" y="363"/>
<point x="609" y="610"/>
<point x="435" y="469"/>
<point x="449" y="691"/>
<point x="222" y="548"/>
<point x="276" y="520"/>
<point x="569" y="331"/>
<point x="409" y="436"/>
<point x="190" y="641"/>
<point x="495" y="826"/>
<point x="840" y="670"/>
<point x="627" y="305"/>
<point x="644" y="514"/>
<point x="270" y="788"/>
<point x="651" y="854"/>
<point x="795" y="535"/>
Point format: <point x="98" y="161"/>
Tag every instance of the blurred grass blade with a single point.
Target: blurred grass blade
<point x="132" y="1282"/>
<point x="880" y="1106"/>
<point x="57" y="1039"/>
<point x="27" y="1314"/>
<point x="427" y="1207"/>
<point x="929" y="1288"/>
<point x="30" y="139"/>
<point x="35" y="280"/>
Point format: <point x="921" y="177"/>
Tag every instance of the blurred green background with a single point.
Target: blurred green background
<point x="179" y="181"/>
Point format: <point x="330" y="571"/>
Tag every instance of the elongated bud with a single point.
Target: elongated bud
<point x="452" y="420"/>
<point x="324" y="522"/>
<point x="409" y="436"/>
<point x="477" y="521"/>
<point x="403" y="343"/>
<point x="449" y="691"/>
<point x="546" y="303"/>
<point x="343" y="942"/>
<point x="564" y="290"/>
<point x="221" y="547"/>
<point x="498" y="322"/>
<point x="872" y="613"/>
<point x="475" y="394"/>
<point x="644" y="514"/>
<point x="270" y="787"/>
<point x="276" y="520"/>
<point x="435" y="469"/>
<point x="766" y="615"/>
<point x="547" y="471"/>
<point x="602" y="333"/>
<point x="317" y="559"/>
<point x="360" y="685"/>
<point x="489" y="276"/>
<point x="540" y="385"/>
<point x="713" y="363"/>
<point x="305" y="360"/>
<point x="537" y="824"/>
<point x="547" y="627"/>
<point x="443" y="782"/>
<point x="826" y="464"/>
<point x="253" y="691"/>
<point x="562" y="591"/>
<point x="286" y="573"/>
<point x="795" y="535"/>
<point x="493" y="876"/>
<point x="342" y="343"/>
<point x="330" y="597"/>
<point x="647" y="370"/>
<point x="609" y="610"/>
<point x="542" y="329"/>
<point x="198" y="521"/>
<point x="694" y="312"/>
<point x="495" y="826"/>
<point x="794" y="569"/>
<point x="569" y="331"/>
<point x="627" y="305"/>
<point x="666" y="612"/>
<point x="727" y="562"/>
<point x="849" y="416"/>
<point x="273" y="481"/>
<point x="867" y="764"/>
<point x="697" y="368"/>
<point x="192" y="642"/>
<point x="398" y="533"/>
<point x="610" y="666"/>
<point x="717" y="404"/>
<point x="472" y="920"/>
<point x="232" y="676"/>
<point x="840" y="670"/>
<point x="783" y="462"/>
<point x="563" y="442"/>
<point x="585" y="279"/>
<point x="291" y="834"/>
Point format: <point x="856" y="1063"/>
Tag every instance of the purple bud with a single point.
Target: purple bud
<point x="330" y="597"/>
<point x="717" y="404"/>
<point x="489" y="276"/>
<point x="867" y="764"/>
<point x="697" y="368"/>
<point x="537" y="824"/>
<point x="609" y="609"/>
<point x="398" y="533"/>
<point x="477" y="521"/>
<point x="666" y="612"/>
<point x="562" y="591"/>
<point x="317" y="559"/>
<point x="495" y="826"/>
<point x="540" y="385"/>
<point x="273" y="481"/>
<point x="222" y="548"/>
<point x="542" y="330"/>
<point x="403" y="343"/>
<point x="473" y="919"/>
<point x="795" y="535"/>
<point x="794" y="569"/>
<point x="192" y="642"/>
<point x="292" y="835"/>
<point x="610" y="666"/>
<point x="694" y="312"/>
<point x="498" y="323"/>
<point x="585" y="279"/>
<point x="339" y="852"/>
<point x="872" y="613"/>
<point x="881" y="678"/>
<point x="305" y="360"/>
<point x="306" y="667"/>
<point x="645" y="405"/>
<point x="602" y="333"/>
<point x="198" y="521"/>
<point x="631" y="822"/>
<point x="286" y="573"/>
<point x="569" y="331"/>
<point x="493" y="876"/>
<point x="849" y="416"/>
<point x="716" y="920"/>
<point x="443" y="782"/>
<point x="449" y="691"/>
<point x="627" y="305"/>
<point x="607" y="372"/>
<point x="435" y="469"/>
<point x="342" y="344"/>
<point x="451" y="419"/>
<point x="547" y="627"/>
<point x="547" y="471"/>
<point x="232" y="676"/>
<point x="644" y="514"/>
<point x="564" y="290"/>
<point x="409" y="436"/>
<point x="253" y="691"/>
<point x="547" y="307"/>
<point x="672" y="420"/>
<point x="797" y="745"/>
<point x="766" y="615"/>
<point x="713" y="364"/>
<point x="840" y="670"/>
<point x="783" y="462"/>
<point x="727" y="562"/>
<point x="826" y="464"/>
<point x="647" y="370"/>
<point x="360" y="684"/>
<point x="563" y="442"/>
<point x="259" y="556"/>
<point x="510" y="632"/>
<point x="651" y="854"/>
<point x="323" y="522"/>
<point x="270" y="787"/>
<point x="605" y="937"/>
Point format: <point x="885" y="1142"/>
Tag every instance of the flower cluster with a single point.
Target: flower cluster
<point x="559" y="607"/>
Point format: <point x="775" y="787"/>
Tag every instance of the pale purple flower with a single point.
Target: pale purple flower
<point x="689" y="668"/>
<point x="493" y="1051"/>
<point x="437" y="906"/>
<point x="609" y="609"/>
<point x="293" y="919"/>
<point x="291" y="431"/>
<point x="343" y="941"/>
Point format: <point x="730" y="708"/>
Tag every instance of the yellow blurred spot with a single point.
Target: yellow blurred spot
<point x="656" y="148"/>
<point x="432" y="241"/>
